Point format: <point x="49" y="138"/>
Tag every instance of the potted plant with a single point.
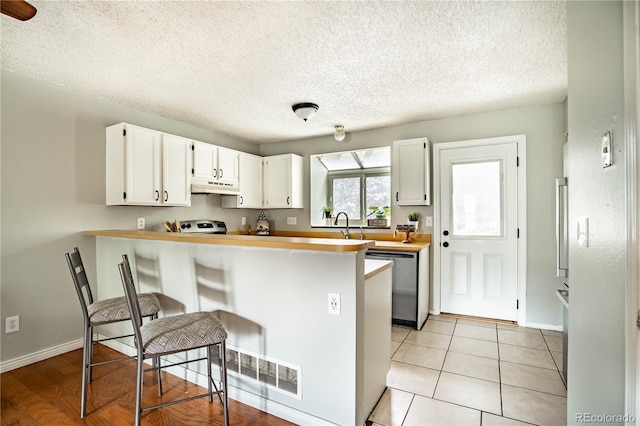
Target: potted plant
<point x="380" y="214"/>
<point x="414" y="219"/>
<point x="326" y="212"/>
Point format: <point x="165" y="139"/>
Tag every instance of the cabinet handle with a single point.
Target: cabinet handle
<point x="215" y="173"/>
<point x="396" y="196"/>
<point x="221" y="173"/>
<point x="166" y="196"/>
<point x="288" y="200"/>
<point x="157" y="195"/>
<point x="241" y="200"/>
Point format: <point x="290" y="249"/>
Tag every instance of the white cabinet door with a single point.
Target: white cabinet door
<point x="176" y="168"/>
<point x="283" y="179"/>
<point x="142" y="170"/>
<point x="411" y="171"/>
<point x="205" y="161"/>
<point x="132" y="165"/>
<point x="228" y="166"/>
<point x="250" y="182"/>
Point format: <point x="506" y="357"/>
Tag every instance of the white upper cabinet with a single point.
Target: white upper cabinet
<point x="140" y="172"/>
<point x="250" y="182"/>
<point x="215" y="165"/>
<point x="176" y="170"/>
<point x="283" y="180"/>
<point x="411" y="172"/>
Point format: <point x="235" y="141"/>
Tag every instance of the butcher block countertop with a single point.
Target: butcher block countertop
<point x="292" y="243"/>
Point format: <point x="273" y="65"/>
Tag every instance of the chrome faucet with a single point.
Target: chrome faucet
<point x="346" y="231"/>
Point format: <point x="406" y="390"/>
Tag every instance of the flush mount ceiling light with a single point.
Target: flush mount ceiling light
<point x="339" y="133"/>
<point x="305" y="110"/>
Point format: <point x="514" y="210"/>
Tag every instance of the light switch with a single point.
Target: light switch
<point x="606" y="149"/>
<point x="583" y="231"/>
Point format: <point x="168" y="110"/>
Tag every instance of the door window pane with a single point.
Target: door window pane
<point x="477" y="199"/>
<point x="346" y="196"/>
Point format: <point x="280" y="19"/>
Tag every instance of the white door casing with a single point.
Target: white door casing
<point x="462" y="269"/>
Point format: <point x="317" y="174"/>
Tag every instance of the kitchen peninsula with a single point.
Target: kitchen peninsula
<point x="288" y="355"/>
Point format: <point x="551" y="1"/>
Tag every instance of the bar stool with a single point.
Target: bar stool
<point x="173" y="334"/>
<point x="98" y="313"/>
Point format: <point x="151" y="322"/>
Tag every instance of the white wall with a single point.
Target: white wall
<point x="53" y="188"/>
<point x="544" y="127"/>
<point x="597" y="272"/>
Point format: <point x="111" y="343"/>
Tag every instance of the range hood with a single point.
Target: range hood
<point x="213" y="187"/>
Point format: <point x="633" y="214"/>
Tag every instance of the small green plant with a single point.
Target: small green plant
<point x="326" y="211"/>
<point x="414" y="216"/>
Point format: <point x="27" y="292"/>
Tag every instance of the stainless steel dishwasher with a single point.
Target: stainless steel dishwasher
<point x="404" y="295"/>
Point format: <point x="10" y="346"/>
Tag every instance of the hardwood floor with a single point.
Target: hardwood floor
<point x="48" y="393"/>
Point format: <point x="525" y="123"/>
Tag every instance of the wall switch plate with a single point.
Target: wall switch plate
<point x="244" y="220"/>
<point x="140" y="223"/>
<point x="428" y="221"/>
<point x="606" y="150"/>
<point x="292" y="220"/>
<point x="334" y="303"/>
<point x="12" y="324"/>
<point x="583" y="231"/>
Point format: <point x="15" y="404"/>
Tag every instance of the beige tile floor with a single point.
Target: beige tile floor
<point x="459" y="371"/>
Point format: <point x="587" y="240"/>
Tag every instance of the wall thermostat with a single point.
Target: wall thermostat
<point x="606" y="149"/>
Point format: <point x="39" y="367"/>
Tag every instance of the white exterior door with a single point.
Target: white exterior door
<point x="479" y="231"/>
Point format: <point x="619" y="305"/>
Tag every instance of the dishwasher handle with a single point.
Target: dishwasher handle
<point x="387" y="255"/>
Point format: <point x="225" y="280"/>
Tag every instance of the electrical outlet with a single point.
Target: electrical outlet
<point x="244" y="220"/>
<point x="12" y="324"/>
<point x="334" y="303"/>
<point x="292" y="220"/>
<point x="141" y="223"/>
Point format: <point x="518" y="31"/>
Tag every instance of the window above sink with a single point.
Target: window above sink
<point x="357" y="182"/>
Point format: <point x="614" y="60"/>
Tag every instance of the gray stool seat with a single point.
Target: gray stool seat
<point x="181" y="333"/>
<point x="116" y="308"/>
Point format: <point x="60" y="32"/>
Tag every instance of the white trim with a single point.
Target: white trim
<point x="25" y="360"/>
<point x="521" y="141"/>
<point x="631" y="49"/>
<point x="544" y="326"/>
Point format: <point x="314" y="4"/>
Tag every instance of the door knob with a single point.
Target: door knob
<point x="445" y="244"/>
<point x="445" y="233"/>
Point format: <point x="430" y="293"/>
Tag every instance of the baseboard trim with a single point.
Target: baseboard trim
<point x="544" y="326"/>
<point x="248" y="398"/>
<point x="25" y="360"/>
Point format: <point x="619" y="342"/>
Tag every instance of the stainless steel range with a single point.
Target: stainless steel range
<point x="203" y="226"/>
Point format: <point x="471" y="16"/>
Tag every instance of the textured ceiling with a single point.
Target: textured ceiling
<point x="238" y="66"/>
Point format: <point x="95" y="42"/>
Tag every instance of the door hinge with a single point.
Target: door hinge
<point x="517" y="161"/>
<point x="517" y="304"/>
<point x="124" y="132"/>
<point x="425" y="145"/>
<point x="193" y="148"/>
<point x="193" y="171"/>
